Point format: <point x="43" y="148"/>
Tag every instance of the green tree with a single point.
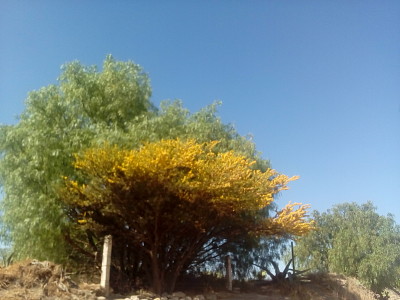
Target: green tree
<point x="60" y="120"/>
<point x="86" y="108"/>
<point x="354" y="240"/>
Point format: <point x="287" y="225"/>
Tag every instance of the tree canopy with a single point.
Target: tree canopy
<point x="86" y="108"/>
<point x="58" y="121"/>
<point x="354" y="240"/>
<point x="84" y="111"/>
<point x="175" y="201"/>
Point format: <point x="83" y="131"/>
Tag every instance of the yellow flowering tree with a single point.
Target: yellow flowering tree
<point x="172" y="201"/>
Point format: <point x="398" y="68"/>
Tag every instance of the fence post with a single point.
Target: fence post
<point x="294" y="269"/>
<point x="105" y="265"/>
<point x="228" y="265"/>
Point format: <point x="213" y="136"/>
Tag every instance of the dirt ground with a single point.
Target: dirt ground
<point x="34" y="280"/>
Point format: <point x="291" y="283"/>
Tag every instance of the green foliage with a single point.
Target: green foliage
<point x="173" y="121"/>
<point x="249" y="259"/>
<point x="60" y="120"/>
<point x="248" y="253"/>
<point x="86" y="108"/>
<point x="89" y="108"/>
<point x="6" y="256"/>
<point x="356" y="241"/>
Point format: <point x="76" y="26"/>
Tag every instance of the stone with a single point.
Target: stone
<point x="179" y="294"/>
<point x="147" y="295"/>
<point x="134" y="297"/>
<point x="211" y="297"/>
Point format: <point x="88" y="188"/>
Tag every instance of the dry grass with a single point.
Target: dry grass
<point x="35" y="280"/>
<point x="319" y="286"/>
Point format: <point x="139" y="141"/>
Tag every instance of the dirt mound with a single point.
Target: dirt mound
<point x="41" y="280"/>
<point x="34" y="280"/>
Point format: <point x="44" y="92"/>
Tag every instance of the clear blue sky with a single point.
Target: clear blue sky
<point x="317" y="83"/>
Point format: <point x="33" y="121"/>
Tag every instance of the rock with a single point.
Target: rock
<point x="199" y="297"/>
<point x="146" y="295"/>
<point x="101" y="298"/>
<point x="179" y="294"/>
<point x="211" y="297"/>
<point x="134" y="297"/>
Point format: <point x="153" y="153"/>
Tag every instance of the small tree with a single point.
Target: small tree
<point x="174" y="201"/>
<point x="354" y="240"/>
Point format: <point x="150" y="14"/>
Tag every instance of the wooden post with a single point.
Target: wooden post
<point x="105" y="265"/>
<point x="294" y="269"/>
<point x="228" y="265"/>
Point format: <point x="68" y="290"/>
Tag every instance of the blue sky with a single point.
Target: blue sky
<point x="317" y="83"/>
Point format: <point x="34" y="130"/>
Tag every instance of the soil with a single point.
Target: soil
<point x="34" y="280"/>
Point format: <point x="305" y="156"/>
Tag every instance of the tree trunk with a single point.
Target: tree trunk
<point x="185" y="257"/>
<point x="158" y="283"/>
<point x="174" y="278"/>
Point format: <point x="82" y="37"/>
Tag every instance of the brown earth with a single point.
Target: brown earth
<point x="34" y="280"/>
<point x="315" y="286"/>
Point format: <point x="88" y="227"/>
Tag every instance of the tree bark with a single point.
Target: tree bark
<point x="156" y="274"/>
